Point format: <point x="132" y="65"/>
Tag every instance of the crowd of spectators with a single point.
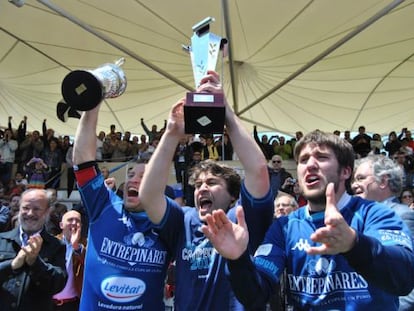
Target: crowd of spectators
<point x="398" y="147"/>
<point x="37" y="159"/>
<point x="39" y="156"/>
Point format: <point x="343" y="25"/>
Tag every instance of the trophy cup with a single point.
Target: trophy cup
<point x="85" y="89"/>
<point x="204" y="113"/>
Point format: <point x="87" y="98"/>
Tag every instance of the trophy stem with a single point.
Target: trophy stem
<point x="120" y="62"/>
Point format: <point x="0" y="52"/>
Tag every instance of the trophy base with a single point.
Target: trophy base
<point x="82" y="90"/>
<point x="64" y="112"/>
<point x="204" y="113"/>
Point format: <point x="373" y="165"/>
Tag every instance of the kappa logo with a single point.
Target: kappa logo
<point x="302" y="245"/>
<point x="126" y="221"/>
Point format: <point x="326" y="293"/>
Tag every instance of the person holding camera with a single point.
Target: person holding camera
<point x="37" y="172"/>
<point x="279" y="178"/>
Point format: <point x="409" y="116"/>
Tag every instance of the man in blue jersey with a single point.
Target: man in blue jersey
<point x="340" y="252"/>
<point x="126" y="262"/>
<point x="201" y="281"/>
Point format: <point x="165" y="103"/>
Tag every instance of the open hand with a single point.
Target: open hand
<point x="176" y="118"/>
<point x="32" y="248"/>
<point x="337" y="236"/>
<point x="75" y="235"/>
<point x="19" y="260"/>
<point x="228" y="238"/>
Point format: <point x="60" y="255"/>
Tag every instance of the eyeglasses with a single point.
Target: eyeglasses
<point x="360" y="178"/>
<point x="277" y="161"/>
<point x="283" y="204"/>
<point x="407" y="196"/>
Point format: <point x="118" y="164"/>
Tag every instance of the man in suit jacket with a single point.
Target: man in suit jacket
<point x="71" y="225"/>
<point x="378" y="178"/>
<point x="32" y="262"/>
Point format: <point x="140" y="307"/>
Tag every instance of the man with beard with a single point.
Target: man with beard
<point x="338" y="250"/>
<point x="201" y="280"/>
<point x="32" y="262"/>
<point x="126" y="262"/>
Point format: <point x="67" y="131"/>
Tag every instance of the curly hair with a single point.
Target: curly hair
<point x="231" y="177"/>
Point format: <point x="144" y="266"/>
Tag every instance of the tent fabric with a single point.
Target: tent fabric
<point x="368" y="80"/>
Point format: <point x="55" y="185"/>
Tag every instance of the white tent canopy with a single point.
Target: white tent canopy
<point x="292" y="65"/>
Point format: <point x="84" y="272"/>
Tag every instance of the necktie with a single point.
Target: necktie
<point x="25" y="239"/>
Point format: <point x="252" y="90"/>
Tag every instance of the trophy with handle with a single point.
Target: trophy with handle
<point x="85" y="89"/>
<point x="204" y="113"/>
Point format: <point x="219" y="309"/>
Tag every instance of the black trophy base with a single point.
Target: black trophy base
<point x="204" y="113"/>
<point x="64" y="112"/>
<point x="82" y="90"/>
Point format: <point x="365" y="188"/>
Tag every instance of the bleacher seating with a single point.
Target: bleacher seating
<point x="120" y="174"/>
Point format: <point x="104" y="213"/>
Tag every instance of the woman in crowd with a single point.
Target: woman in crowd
<point x="406" y="197"/>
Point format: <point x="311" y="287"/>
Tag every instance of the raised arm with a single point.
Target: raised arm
<point x="255" y="135"/>
<point x="84" y="147"/>
<point x="21" y="131"/>
<point x="144" y="126"/>
<point x="44" y="133"/>
<point x="249" y="153"/>
<point x="156" y="173"/>
<point x="164" y="127"/>
<point x="9" y="124"/>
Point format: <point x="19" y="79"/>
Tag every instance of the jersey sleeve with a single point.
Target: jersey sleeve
<point x="258" y="213"/>
<point x="171" y="225"/>
<point x="254" y="280"/>
<point x="96" y="197"/>
<point x="383" y="240"/>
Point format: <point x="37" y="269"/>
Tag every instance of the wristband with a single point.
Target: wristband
<point x="85" y="172"/>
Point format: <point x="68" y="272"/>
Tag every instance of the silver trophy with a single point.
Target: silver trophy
<point x="204" y="112"/>
<point x="85" y="89"/>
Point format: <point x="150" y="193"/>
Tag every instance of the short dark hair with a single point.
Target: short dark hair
<point x="342" y="148"/>
<point x="232" y="179"/>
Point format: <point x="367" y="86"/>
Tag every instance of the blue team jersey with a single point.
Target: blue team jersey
<point x="201" y="276"/>
<point x="126" y="262"/>
<point x="328" y="282"/>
